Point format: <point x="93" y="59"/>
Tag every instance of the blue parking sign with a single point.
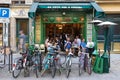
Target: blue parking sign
<point x="4" y="12"/>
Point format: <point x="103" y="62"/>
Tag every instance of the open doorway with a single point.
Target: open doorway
<point x="53" y="30"/>
<point x="22" y="24"/>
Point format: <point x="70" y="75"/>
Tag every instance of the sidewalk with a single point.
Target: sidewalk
<point x="112" y="75"/>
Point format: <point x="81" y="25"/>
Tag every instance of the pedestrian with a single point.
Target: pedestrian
<point x="46" y="44"/>
<point x="58" y="43"/>
<point x="90" y="47"/>
<point x="83" y="44"/>
<point x="74" y="43"/>
<point x="78" y="41"/>
<point x="75" y="47"/>
<point x="22" y="41"/>
<point x="68" y="45"/>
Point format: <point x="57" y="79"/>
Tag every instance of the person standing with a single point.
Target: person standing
<point x="78" y="41"/>
<point x="22" y="41"/>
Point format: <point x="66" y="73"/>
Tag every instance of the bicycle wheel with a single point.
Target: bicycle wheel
<point x="53" y="68"/>
<point x="26" y="72"/>
<point x="85" y="62"/>
<point x="68" y="68"/>
<point x="80" y="69"/>
<point x="40" y="63"/>
<point x="89" y="67"/>
<point x="17" y="69"/>
<point x="36" y="66"/>
<point x="36" y="72"/>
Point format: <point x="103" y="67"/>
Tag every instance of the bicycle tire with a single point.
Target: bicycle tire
<point x="89" y="68"/>
<point x="26" y="72"/>
<point x="53" y="69"/>
<point x="36" y="73"/>
<point x="68" y="68"/>
<point x="85" y="62"/>
<point x="40" y="63"/>
<point x="63" y="60"/>
<point x="80" y="69"/>
<point x="36" y="66"/>
<point x="17" y="68"/>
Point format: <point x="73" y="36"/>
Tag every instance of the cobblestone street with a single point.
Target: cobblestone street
<point x="112" y="75"/>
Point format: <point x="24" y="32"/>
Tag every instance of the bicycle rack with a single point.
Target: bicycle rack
<point x="10" y="58"/>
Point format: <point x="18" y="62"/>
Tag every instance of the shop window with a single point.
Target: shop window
<point x="18" y="2"/>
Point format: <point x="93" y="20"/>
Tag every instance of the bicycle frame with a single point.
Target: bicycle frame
<point x="69" y="59"/>
<point x="68" y="64"/>
<point x="23" y="60"/>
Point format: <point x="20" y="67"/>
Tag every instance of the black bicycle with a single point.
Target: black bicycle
<point x="19" y="64"/>
<point x="37" y="61"/>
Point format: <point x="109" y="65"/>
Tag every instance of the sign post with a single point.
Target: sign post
<point x="4" y="18"/>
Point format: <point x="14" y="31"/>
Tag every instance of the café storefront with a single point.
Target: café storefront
<point x="54" y="18"/>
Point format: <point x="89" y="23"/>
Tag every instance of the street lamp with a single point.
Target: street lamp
<point x="106" y="26"/>
<point x="96" y="22"/>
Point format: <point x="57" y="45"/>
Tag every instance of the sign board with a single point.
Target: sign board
<point x="65" y="6"/>
<point x="4" y="20"/>
<point x="28" y="2"/>
<point x="5" y="1"/>
<point x="4" y="12"/>
<point x="63" y="0"/>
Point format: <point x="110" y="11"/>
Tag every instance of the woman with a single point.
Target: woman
<point x="68" y="45"/>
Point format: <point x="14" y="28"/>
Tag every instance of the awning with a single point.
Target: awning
<point x="65" y="5"/>
<point x="98" y="10"/>
<point x="88" y="5"/>
<point x="33" y="10"/>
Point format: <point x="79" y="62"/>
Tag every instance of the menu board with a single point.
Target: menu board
<point x="37" y="29"/>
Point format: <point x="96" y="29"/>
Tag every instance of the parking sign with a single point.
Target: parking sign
<point x="4" y="12"/>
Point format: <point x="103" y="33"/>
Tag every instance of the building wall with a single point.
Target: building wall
<point x="110" y="6"/>
<point x="112" y="11"/>
<point x="18" y="11"/>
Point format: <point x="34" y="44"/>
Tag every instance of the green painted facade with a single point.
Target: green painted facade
<point x="51" y="17"/>
<point x="69" y="13"/>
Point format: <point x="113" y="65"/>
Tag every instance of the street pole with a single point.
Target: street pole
<point x="4" y="34"/>
<point x="106" y="39"/>
<point x="105" y="54"/>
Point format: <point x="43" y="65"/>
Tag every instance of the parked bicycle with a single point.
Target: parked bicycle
<point x="37" y="60"/>
<point x="84" y="62"/>
<point x="81" y="56"/>
<point x="88" y="64"/>
<point x="50" y="61"/>
<point x="19" y="64"/>
<point x="68" y="63"/>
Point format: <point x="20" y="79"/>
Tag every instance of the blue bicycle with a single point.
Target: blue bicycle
<point x="49" y="61"/>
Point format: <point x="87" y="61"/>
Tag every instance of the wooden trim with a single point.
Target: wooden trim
<point x="107" y="1"/>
